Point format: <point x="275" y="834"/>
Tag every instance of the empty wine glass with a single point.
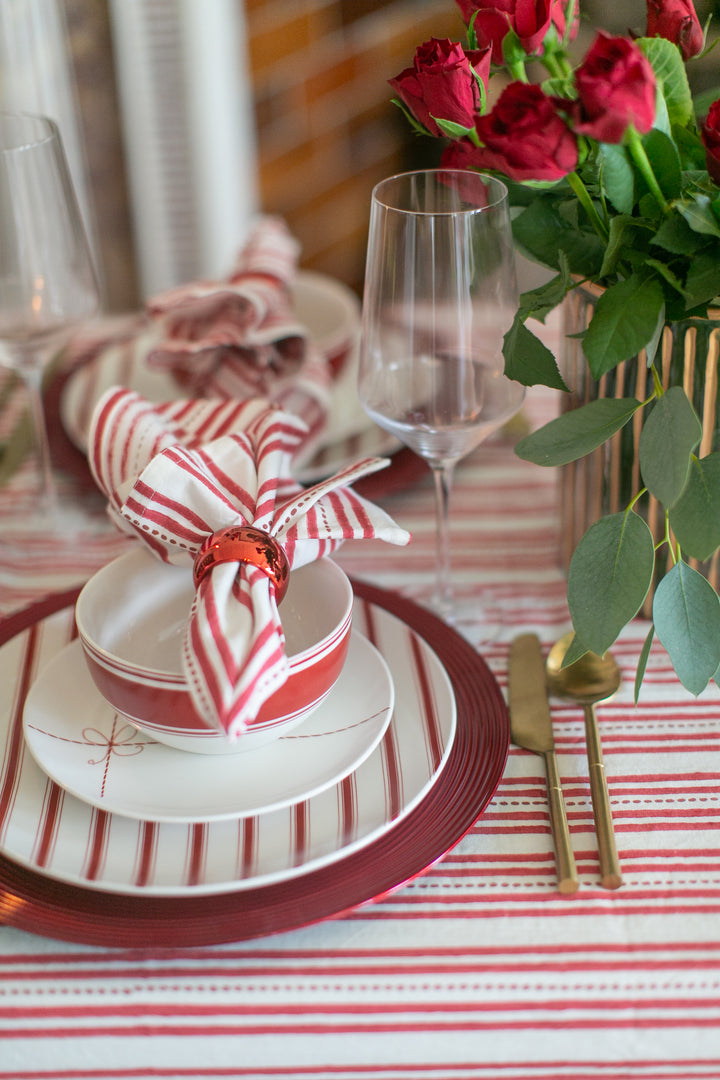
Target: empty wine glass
<point x="440" y="294"/>
<point x="47" y="286"/>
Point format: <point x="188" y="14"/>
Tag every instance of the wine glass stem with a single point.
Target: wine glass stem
<point x="32" y="377"/>
<point x="442" y="478"/>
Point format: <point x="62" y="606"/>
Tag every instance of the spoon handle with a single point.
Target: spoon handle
<point x="564" y="858"/>
<point x="610" y="873"/>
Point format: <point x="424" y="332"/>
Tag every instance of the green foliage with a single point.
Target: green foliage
<point x="640" y="219"/>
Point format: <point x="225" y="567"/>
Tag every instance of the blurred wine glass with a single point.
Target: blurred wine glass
<point x="440" y="294"/>
<point x="47" y="287"/>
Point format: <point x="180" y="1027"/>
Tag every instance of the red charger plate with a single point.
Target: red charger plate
<point x="31" y="901"/>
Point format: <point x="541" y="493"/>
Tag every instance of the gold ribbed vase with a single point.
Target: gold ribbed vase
<point x="606" y="480"/>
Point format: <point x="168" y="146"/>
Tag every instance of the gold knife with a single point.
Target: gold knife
<point x="531" y="728"/>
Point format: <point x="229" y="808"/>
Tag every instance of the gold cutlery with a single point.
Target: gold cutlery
<point x="591" y="678"/>
<point x="531" y="728"/>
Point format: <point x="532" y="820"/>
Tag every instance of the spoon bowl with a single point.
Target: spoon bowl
<point x="591" y="678"/>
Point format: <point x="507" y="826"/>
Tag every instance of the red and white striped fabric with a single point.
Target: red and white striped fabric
<point x="234" y="338"/>
<point x="176" y="475"/>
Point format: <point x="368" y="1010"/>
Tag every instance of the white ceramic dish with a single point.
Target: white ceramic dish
<point x="49" y="831"/>
<point x="82" y="744"/>
<point x="131" y="617"/>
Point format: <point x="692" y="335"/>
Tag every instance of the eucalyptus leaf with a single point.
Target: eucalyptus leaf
<point x="577" y="432"/>
<point x="610" y="573"/>
<point x="686" y="613"/>
<point x="642" y="662"/>
<point x="695" y="517"/>
<point x="574" y="652"/>
<point x="528" y="360"/>
<point x="624" y="322"/>
<point x="669" y="435"/>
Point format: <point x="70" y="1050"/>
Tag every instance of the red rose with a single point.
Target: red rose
<point x="523" y="137"/>
<point x="530" y="19"/>
<point x="616" y="87"/>
<point x="677" y="21"/>
<point x="441" y="83"/>
<point x="711" y="140"/>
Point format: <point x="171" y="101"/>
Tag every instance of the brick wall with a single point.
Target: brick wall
<point x="327" y="131"/>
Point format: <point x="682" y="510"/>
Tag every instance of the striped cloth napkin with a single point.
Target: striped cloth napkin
<point x="234" y="338"/>
<point x="177" y="473"/>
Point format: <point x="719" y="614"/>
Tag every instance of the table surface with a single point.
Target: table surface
<point x="479" y="967"/>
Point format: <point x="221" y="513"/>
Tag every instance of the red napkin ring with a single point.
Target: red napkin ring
<point x="244" y="544"/>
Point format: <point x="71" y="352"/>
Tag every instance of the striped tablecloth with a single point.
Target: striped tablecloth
<point x="479" y="967"/>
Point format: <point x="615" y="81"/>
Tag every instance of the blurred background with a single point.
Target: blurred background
<point x="183" y="118"/>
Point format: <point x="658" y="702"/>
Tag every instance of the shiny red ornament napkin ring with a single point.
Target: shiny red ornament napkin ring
<point x="244" y="544"/>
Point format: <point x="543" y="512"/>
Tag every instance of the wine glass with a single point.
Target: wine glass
<point x="47" y="287"/>
<point x="440" y="294"/>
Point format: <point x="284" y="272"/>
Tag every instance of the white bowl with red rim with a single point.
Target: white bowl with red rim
<point x="131" y="617"/>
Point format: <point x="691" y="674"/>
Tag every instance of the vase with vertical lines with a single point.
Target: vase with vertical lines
<point x="606" y="480"/>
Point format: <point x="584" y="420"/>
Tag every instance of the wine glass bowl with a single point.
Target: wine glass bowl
<point x="47" y="279"/>
<point x="440" y="295"/>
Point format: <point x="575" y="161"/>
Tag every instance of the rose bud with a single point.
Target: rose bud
<point x="441" y="84"/>
<point x="616" y="87"/>
<point x="677" y="21"/>
<point x="711" y="140"/>
<point x="530" y="19"/>
<point x="523" y="137"/>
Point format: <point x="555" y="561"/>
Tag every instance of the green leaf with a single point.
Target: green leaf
<point x="642" y="662"/>
<point x="695" y="517"/>
<point x="667" y="63"/>
<point x="624" y="322"/>
<point x="541" y="301"/>
<point x="702" y="283"/>
<point x="668" y="438"/>
<point x="577" y="432"/>
<point x="451" y="129"/>
<point x="686" y="613"/>
<point x="528" y="360"/>
<point x="609" y="577"/>
<point x="416" y="126"/>
<point x="676" y="236"/>
<point x="542" y="232"/>
<point x="699" y="215"/>
<point x="622" y="232"/>
<point x="665" y="162"/>
<point x="618" y="178"/>
<point x="575" y="651"/>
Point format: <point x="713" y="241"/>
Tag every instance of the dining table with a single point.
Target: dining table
<point x="436" y="944"/>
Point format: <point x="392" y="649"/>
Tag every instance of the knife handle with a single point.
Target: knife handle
<point x="610" y="873"/>
<point x="564" y="857"/>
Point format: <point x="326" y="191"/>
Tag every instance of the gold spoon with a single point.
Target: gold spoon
<point x="591" y="678"/>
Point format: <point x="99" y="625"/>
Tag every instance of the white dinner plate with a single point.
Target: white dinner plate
<point x="48" y="830"/>
<point x="79" y="740"/>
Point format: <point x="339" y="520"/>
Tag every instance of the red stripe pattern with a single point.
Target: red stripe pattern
<point x="176" y="475"/>
<point x="477" y="970"/>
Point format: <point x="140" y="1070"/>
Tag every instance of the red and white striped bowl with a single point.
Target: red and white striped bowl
<point x="131" y="618"/>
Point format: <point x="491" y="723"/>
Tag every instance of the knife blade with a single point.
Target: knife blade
<point x="531" y="728"/>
